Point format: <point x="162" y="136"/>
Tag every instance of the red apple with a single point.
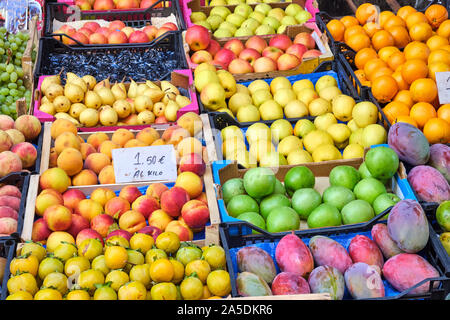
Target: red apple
<point x="103" y="5"/>
<point x="150" y="31"/>
<point x="272" y="53"/>
<point x="128" y="31"/>
<point x="98" y="38"/>
<point x="281" y="42"/>
<point x="116" y="37"/>
<point x="104" y="31"/>
<point x="306" y="39"/>
<point x="81" y="37"/>
<point x="234" y="45"/>
<point x="127" y="4"/>
<point x="161" y="31"/>
<point x="201" y="56"/>
<point x="264" y="64"/>
<point x="213" y="47"/>
<point x="149" y="3"/>
<point x="257" y="43"/>
<point x="116" y="25"/>
<point x="240" y="66"/>
<point x="224" y="57"/>
<point x="297" y="49"/>
<point x="93" y="26"/>
<point x="197" y="37"/>
<point x="172" y="26"/>
<point x="87" y="32"/>
<point x="83" y="4"/>
<point x="249" y="55"/>
<point x="78" y="223"/>
<point x="219" y="64"/>
<point x="312" y="54"/>
<point x="138" y="37"/>
<point x="288" y="62"/>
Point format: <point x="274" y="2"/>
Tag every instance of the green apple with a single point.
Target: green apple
<point x="231" y="188"/>
<point x="357" y="211"/>
<point x="369" y="189"/>
<point x="264" y="29"/>
<point x="303" y="16"/>
<point x="264" y="8"/>
<point x="243" y="32"/>
<point x="258" y="16"/>
<point x="293" y="9"/>
<point x="235" y="19"/>
<point x="288" y="21"/>
<point x="240" y="204"/>
<point x="277" y="13"/>
<point x="382" y="162"/>
<point x="384" y="201"/>
<point x="282" y="219"/>
<point x="305" y="200"/>
<point x="220" y="11"/>
<point x="223" y="33"/>
<point x="253" y="218"/>
<point x="243" y="9"/>
<point x="271" y="21"/>
<point x="250" y="24"/>
<point x="338" y="196"/>
<point x="205" y="24"/>
<point x="198" y="16"/>
<point x="443" y="215"/>
<point x="214" y="3"/>
<point x="214" y="21"/>
<point x="228" y="26"/>
<point x="345" y="176"/>
<point x="325" y="215"/>
<point x="272" y="201"/>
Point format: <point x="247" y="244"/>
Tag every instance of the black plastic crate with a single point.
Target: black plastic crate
<point x="7" y="248"/>
<point x="132" y="18"/>
<point x="232" y="240"/>
<point x="155" y="60"/>
<point x="22" y="181"/>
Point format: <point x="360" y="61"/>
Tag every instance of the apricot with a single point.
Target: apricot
<point x="66" y="140"/>
<point x="70" y="160"/>
<point x="62" y="125"/>
<point x="106" y="176"/>
<point x="97" y="161"/>
<point x="85" y="177"/>
<point x="121" y="136"/>
<point x="96" y="139"/>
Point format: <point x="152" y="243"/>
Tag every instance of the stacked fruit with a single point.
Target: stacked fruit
<point x="246" y="21"/>
<point x="116" y="4"/>
<point x="253" y="55"/>
<point x="90" y="162"/>
<point x="141" y="268"/>
<point x="87" y="103"/>
<point x="443" y="219"/>
<point x="116" y="32"/>
<point x="9" y="210"/>
<point x="322" y="264"/>
<point x="406" y="79"/>
<point x="16" y="150"/>
<point x="354" y="196"/>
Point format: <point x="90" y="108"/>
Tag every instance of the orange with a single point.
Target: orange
<point x="401" y="36"/>
<point x="405" y="11"/>
<point x="384" y="88"/>
<point x="436" y="14"/>
<point x="394" y="21"/>
<point x="358" y="41"/>
<point x="424" y="90"/>
<point x="406" y="119"/>
<point x="384" y="16"/>
<point x="414" y="69"/>
<point x="417" y="50"/>
<point x="336" y="29"/>
<point x="352" y="31"/>
<point x="360" y="75"/>
<point x="386" y="52"/>
<point x="402" y="84"/>
<point x="405" y="97"/>
<point x="446" y="48"/>
<point x="382" y="39"/>
<point x="437" y="131"/>
<point x="367" y="83"/>
<point x="421" y="112"/>
<point x="415" y="18"/>
<point x="435" y="42"/>
<point x="349" y="21"/>
<point x="363" y="56"/>
<point x="444" y="29"/>
<point x="395" y="109"/>
<point x="439" y="55"/>
<point x="371" y="28"/>
<point x="396" y="59"/>
<point x="444" y="112"/>
<point x="437" y="67"/>
<point x="366" y="12"/>
<point x="420" y="32"/>
<point x="373" y="65"/>
<point x="381" y="72"/>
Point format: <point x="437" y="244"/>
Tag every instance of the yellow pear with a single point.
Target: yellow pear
<point x="158" y="109"/>
<point x="89" y="117"/>
<point x="150" y="84"/>
<point x="44" y="99"/>
<point x="166" y="87"/>
<point x="289" y="144"/>
<point x="260" y="96"/>
<point x="70" y="76"/>
<point x="258" y="85"/>
<point x="168" y="96"/>
<point x="106" y="96"/>
<point x="170" y="112"/>
<point x="63" y="115"/>
<point x="307" y="95"/>
<point x="202" y="67"/>
<point x="319" y="106"/>
<point x="342" y="106"/>
<point x="339" y="132"/>
<point x="353" y="151"/>
<point x="315" y="138"/>
<point x="365" y="113"/>
<point x="284" y="95"/>
<point x="352" y="125"/>
<point x="108" y="116"/>
<point x="238" y="100"/>
<point x="47" y="107"/>
<point x="258" y="131"/>
<point x="324" y="82"/>
<point x="373" y="134"/>
<point x="123" y="108"/>
<point x="79" y="82"/>
<point x="226" y="110"/>
<point x="141" y="89"/>
<point x="73" y="92"/>
<point x="271" y="110"/>
<point x="303" y="127"/>
<point x="281" y="129"/>
<point x="279" y="83"/>
<point x="132" y="89"/>
<point x="356" y="137"/>
<point x="302" y="84"/>
<point x="145" y="117"/>
<point x="230" y="132"/>
<point x="142" y="103"/>
<point x="329" y="93"/>
<point x="154" y="93"/>
<point x="93" y="100"/>
<point x="228" y="82"/>
<point x="119" y="91"/>
<point x="182" y="100"/>
<point x="205" y="77"/>
<point x="54" y="90"/>
<point x="62" y="104"/>
<point x="76" y="109"/>
<point x="296" y="109"/>
<point x="326" y="152"/>
<point x="90" y="81"/>
<point x="213" y="96"/>
<point x="298" y="157"/>
<point x="248" y="113"/>
<point x="323" y="121"/>
<point x="240" y="88"/>
<point x="104" y="83"/>
<point x="48" y="81"/>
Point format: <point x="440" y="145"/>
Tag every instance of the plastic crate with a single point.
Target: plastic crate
<point x="169" y="47"/>
<point x="435" y="232"/>
<point x="22" y="181"/>
<point x="7" y="251"/>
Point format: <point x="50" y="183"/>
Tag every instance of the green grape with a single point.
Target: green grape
<point x="2" y="51"/>
<point x="2" y="43"/>
<point x="5" y="109"/>
<point x="28" y="93"/>
<point x="2" y="67"/>
<point x="4" y="76"/>
<point x="14" y="92"/>
<point x="18" y="62"/>
<point x="20" y="81"/>
<point x="19" y="72"/>
<point x="2" y="99"/>
<point x="3" y="30"/>
<point x="6" y="45"/>
<point x="12" y="85"/>
<point x="11" y="37"/>
<point x="9" y="68"/>
<point x="22" y="49"/>
<point x="22" y="89"/>
<point x="12" y="109"/>
<point x="4" y="91"/>
<point x="14" y="46"/>
<point x="18" y="41"/>
<point x="19" y="55"/>
<point x="9" y="100"/>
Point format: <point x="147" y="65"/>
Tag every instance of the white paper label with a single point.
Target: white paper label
<point x="139" y="164"/>
<point x="443" y="84"/>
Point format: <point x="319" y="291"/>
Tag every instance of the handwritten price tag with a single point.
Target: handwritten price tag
<point x="443" y="84"/>
<point x="141" y="164"/>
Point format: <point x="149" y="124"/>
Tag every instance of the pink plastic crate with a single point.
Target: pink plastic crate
<point x="193" y="107"/>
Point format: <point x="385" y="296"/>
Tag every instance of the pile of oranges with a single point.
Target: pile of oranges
<point x="398" y="55"/>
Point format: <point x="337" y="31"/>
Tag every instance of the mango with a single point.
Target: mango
<point x="257" y="261"/>
<point x="362" y="249"/>
<point x="406" y="270"/>
<point x="251" y="285"/>
<point x="409" y="143"/>
<point x="292" y="255"/>
<point x="290" y="283"/>
<point x="363" y="281"/>
<point x="408" y="226"/>
<point x="381" y="237"/>
<point x="429" y="184"/>
<point x="440" y="159"/>
<point x="328" y="252"/>
<point x="327" y="279"/>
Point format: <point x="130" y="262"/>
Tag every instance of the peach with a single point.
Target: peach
<point x="29" y="125"/>
<point x="54" y="178"/>
<point x="134" y="143"/>
<point x="62" y="125"/>
<point x="102" y="224"/>
<point x="181" y="230"/>
<point x="85" y="177"/>
<point x="10" y="190"/>
<point x="47" y="199"/>
<point x="191" y="122"/>
<point x="189" y="145"/>
<point x="119" y="233"/>
<point x="174" y="134"/>
<point x="15" y="135"/>
<point x="5" y="141"/>
<point x="155" y="190"/>
<point x="192" y="162"/>
<point x="106" y="176"/>
<point x="195" y="214"/>
<point x="8" y="212"/>
<point x="145" y="205"/>
<point x="132" y="221"/>
<point x="88" y="234"/>
<point x="107" y="146"/>
<point x="67" y="140"/>
<point x="130" y="193"/>
<point x="88" y="209"/>
<point x="9" y="201"/>
<point x="148" y="135"/>
<point x="71" y="198"/>
<point x="96" y="162"/>
<point x="202" y="198"/>
<point x="173" y="200"/>
<point x="26" y="152"/>
<point x="121" y="136"/>
<point x="102" y="195"/>
<point x="158" y="142"/>
<point x="151" y="231"/>
<point x="70" y="160"/>
<point x="6" y="122"/>
<point x="96" y="139"/>
<point x="9" y="162"/>
<point x="159" y="219"/>
<point x="86" y="149"/>
<point x="53" y="158"/>
<point x="78" y="223"/>
<point x="115" y="207"/>
<point x="40" y="231"/>
<point x="58" y="217"/>
<point x="190" y="182"/>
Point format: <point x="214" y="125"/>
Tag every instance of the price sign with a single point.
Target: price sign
<point x="139" y="164"/>
<point x="443" y="84"/>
